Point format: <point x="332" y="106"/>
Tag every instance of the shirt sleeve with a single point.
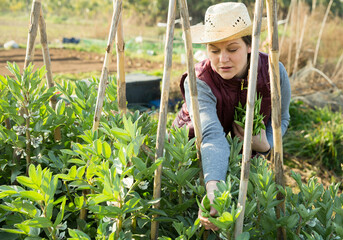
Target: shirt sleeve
<point x="285" y="88"/>
<point x="215" y="149"/>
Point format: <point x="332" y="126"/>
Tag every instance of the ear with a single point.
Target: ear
<point x="249" y="49"/>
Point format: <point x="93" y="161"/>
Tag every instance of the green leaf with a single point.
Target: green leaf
<point x="69" y="152"/>
<point x="60" y="107"/>
<point x="226" y="217"/>
<point x="38" y="222"/>
<point x="122" y="157"/>
<point x="77" y="161"/>
<point x="77" y="234"/>
<point x="32" y="195"/>
<point x="338" y="229"/>
<point x="60" y="215"/>
<point x="27" y="182"/>
<point x="138" y="163"/>
<point x="98" y="147"/>
<point x="106" y="150"/>
<point x="121" y="134"/>
<point x="101" y="198"/>
<point x="72" y="172"/>
<point x="243" y="236"/>
<point x="7" y="193"/>
<point x="16" y="231"/>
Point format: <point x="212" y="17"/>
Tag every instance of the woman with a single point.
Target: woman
<point x="222" y="84"/>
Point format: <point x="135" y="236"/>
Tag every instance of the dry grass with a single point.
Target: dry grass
<point x="330" y="49"/>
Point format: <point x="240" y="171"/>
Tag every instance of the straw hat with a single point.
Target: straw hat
<point x="224" y="21"/>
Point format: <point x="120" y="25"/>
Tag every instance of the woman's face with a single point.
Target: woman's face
<point x="229" y="58"/>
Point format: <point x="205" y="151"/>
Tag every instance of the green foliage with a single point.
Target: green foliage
<point x="99" y="185"/>
<point x="316" y="133"/>
<point x="240" y="116"/>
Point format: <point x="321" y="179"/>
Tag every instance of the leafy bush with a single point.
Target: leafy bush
<point x="99" y="185"/>
<point x="316" y="133"/>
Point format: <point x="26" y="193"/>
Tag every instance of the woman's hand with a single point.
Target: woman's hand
<point x="210" y="187"/>
<point x="259" y="143"/>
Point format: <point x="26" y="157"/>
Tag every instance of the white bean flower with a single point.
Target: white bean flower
<point x="143" y="185"/>
<point x="20" y="130"/>
<point x="35" y="142"/>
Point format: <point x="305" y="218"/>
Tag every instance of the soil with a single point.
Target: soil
<point x="72" y="61"/>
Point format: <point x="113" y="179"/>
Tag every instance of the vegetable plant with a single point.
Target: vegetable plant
<point x="240" y="116"/>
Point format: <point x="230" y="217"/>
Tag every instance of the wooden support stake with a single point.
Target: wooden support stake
<point x="321" y="32"/>
<point x="276" y="105"/>
<point x="162" y="121"/>
<point x="121" y="89"/>
<point x="34" y="18"/>
<point x="297" y="55"/>
<point x="47" y="63"/>
<point x="192" y="80"/>
<point x="290" y="9"/>
<point x="104" y="73"/>
<point x="243" y="187"/>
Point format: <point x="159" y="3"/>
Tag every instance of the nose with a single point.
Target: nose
<point x="224" y="56"/>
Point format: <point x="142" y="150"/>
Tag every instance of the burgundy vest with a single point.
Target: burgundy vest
<point x="228" y="93"/>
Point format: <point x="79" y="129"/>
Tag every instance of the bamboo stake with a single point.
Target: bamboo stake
<point x="290" y="9"/>
<point x="192" y="81"/>
<point x="34" y="18"/>
<point x="295" y="68"/>
<point x="243" y="187"/>
<point x="121" y="90"/>
<point x="162" y="121"/>
<point x="337" y="68"/>
<point x="276" y="105"/>
<point x="104" y="73"/>
<point x="47" y="63"/>
<point x="297" y="29"/>
<point x="293" y="22"/>
<point x="320" y="33"/>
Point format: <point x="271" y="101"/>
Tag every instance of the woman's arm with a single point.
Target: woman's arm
<point x="215" y="150"/>
<point x="285" y="101"/>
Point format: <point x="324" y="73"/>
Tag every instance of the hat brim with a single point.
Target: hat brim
<point x="199" y="35"/>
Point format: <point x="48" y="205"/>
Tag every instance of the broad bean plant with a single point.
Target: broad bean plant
<point x="61" y="180"/>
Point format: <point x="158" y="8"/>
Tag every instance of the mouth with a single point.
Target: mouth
<point x="225" y="68"/>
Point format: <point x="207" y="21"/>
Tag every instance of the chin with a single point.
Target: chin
<point x="227" y="76"/>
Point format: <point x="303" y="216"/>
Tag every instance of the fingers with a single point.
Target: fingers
<point x="206" y="222"/>
<point x="238" y="131"/>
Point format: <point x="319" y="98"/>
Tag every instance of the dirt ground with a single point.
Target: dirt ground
<point x="72" y="61"/>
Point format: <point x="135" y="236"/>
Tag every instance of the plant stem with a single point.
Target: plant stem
<point x="180" y="194"/>
<point x="28" y="137"/>
<point x="299" y="227"/>
<point x="120" y="220"/>
<point x="134" y="222"/>
<point x="83" y="211"/>
<point x="68" y="192"/>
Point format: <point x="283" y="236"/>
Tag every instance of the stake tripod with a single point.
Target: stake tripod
<point x="161" y="130"/>
<point x="276" y="110"/>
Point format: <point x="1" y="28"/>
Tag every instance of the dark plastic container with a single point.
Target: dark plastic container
<point x="142" y="89"/>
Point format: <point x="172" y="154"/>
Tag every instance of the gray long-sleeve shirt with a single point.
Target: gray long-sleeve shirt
<point x="215" y="150"/>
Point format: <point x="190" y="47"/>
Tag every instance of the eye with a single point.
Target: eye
<point x="233" y="50"/>
<point x="214" y="51"/>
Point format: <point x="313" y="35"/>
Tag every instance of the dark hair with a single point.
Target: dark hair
<point x="247" y="40"/>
